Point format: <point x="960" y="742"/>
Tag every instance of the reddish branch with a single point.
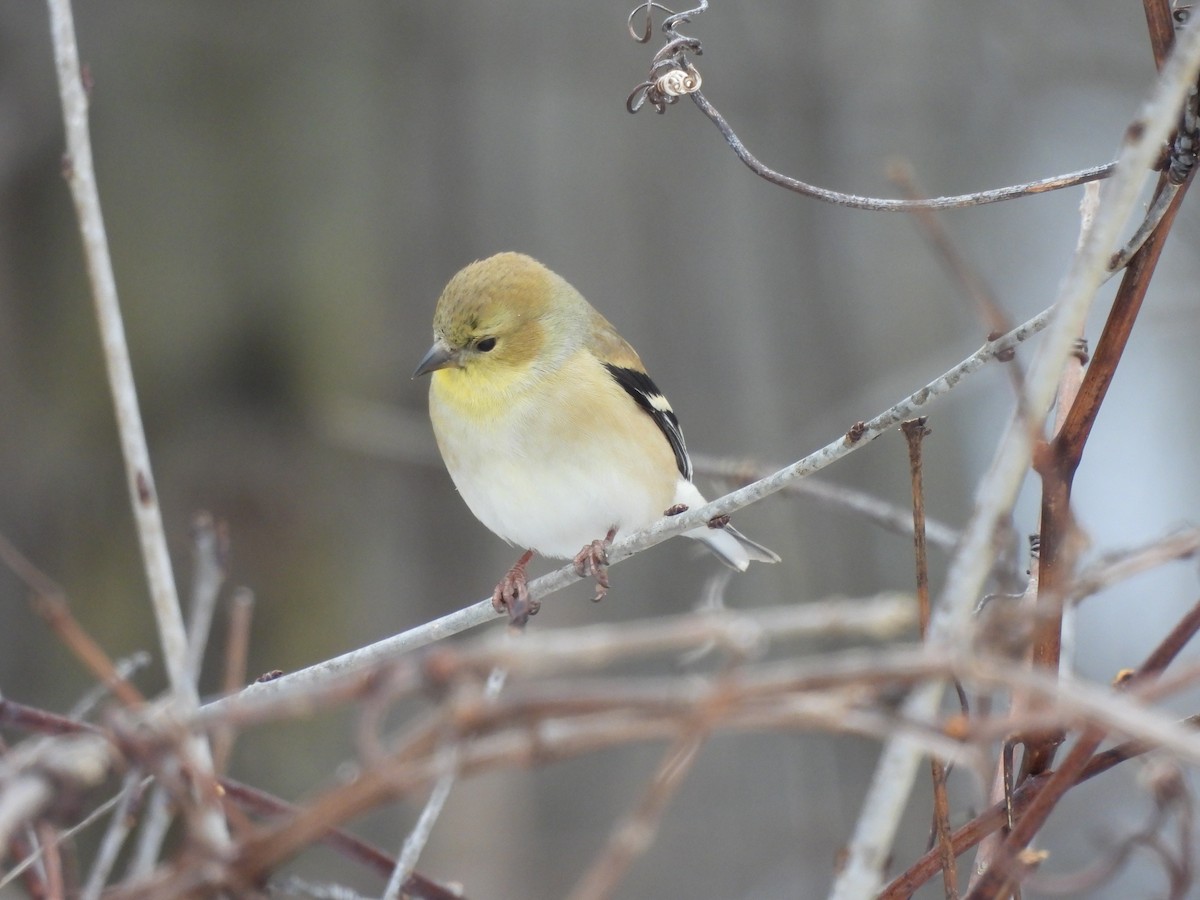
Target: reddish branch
<point x="1057" y="460"/>
<point x="914" y="433"/>
<point x="1036" y="797"/>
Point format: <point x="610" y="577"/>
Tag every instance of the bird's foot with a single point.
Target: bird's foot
<point x="593" y="560"/>
<point x="511" y="595"/>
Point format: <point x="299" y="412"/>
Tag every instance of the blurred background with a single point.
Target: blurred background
<point x="288" y="186"/>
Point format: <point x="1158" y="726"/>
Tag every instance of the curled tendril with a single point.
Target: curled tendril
<point x="643" y="36"/>
<point x="678" y="82"/>
<point x="672" y="75"/>
<point x="664" y="90"/>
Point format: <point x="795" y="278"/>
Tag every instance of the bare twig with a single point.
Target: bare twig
<point x="633" y="837"/>
<point x="993" y="818"/>
<point x="744" y="632"/>
<point x="994" y="318"/>
<point x="37" y="773"/>
<point x="419" y="836"/>
<point x="210" y="551"/>
<point x="914" y="433"/>
<point x="125" y="668"/>
<point x="860" y="435"/>
<point x="156" y="820"/>
<point x="49" y="843"/>
<point x="352" y="847"/>
<point x="51" y="604"/>
<point x="237" y="649"/>
<point x="879" y="204"/>
<point x="878" y="511"/>
<point x="447" y="761"/>
<point x="143" y="494"/>
<point x="81" y="177"/>
<point x="1059" y="459"/>
<point x="1022" y="799"/>
<point x="1119" y="565"/>
<point x="118" y="830"/>
<point x="893" y="779"/>
<point x="673" y="75"/>
<point x="541" y="720"/>
<point x="1007" y="863"/>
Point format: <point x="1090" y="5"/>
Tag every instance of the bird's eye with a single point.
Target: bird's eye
<point x="486" y="344"/>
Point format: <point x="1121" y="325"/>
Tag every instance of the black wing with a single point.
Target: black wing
<point x="647" y="395"/>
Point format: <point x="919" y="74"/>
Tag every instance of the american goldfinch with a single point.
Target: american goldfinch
<point x="550" y="427"/>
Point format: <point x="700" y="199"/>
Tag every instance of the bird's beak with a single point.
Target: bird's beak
<point x="440" y="356"/>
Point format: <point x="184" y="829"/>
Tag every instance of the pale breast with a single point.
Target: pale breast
<point x="553" y="471"/>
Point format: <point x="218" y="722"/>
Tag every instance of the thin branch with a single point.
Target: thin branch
<point x="876" y="510"/>
<point x="124" y="668"/>
<point x="50" y="846"/>
<point x="156" y="821"/>
<point x="1007" y="863"/>
<point x="993" y="818"/>
<point x="37" y="773"/>
<point x="210" y="553"/>
<point x="991" y="314"/>
<point x="143" y="494"/>
<point x="143" y="497"/>
<point x="744" y="632"/>
<point x="447" y="761"/>
<point x="118" y="830"/>
<point x="890" y="788"/>
<point x="673" y="75"/>
<point x="879" y="204"/>
<point x="1126" y="563"/>
<point x="1161" y="26"/>
<point x="861" y="434"/>
<point x="347" y="844"/>
<point x="419" y="836"/>
<point x="633" y="837"/>
<point x="1159" y="208"/>
<point x="538" y="721"/>
<point x="50" y="603"/>
<point x="914" y="434"/>
<point x="237" y="651"/>
<point x="1059" y="459"/>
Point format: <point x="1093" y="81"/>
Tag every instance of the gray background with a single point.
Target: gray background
<point x="288" y="186"/>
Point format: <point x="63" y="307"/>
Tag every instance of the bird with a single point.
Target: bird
<point x="551" y="429"/>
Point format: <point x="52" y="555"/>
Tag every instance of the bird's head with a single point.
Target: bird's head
<point x="501" y="319"/>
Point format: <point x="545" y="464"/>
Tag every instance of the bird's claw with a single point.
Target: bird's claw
<point x="511" y="595"/>
<point x="592" y="561"/>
